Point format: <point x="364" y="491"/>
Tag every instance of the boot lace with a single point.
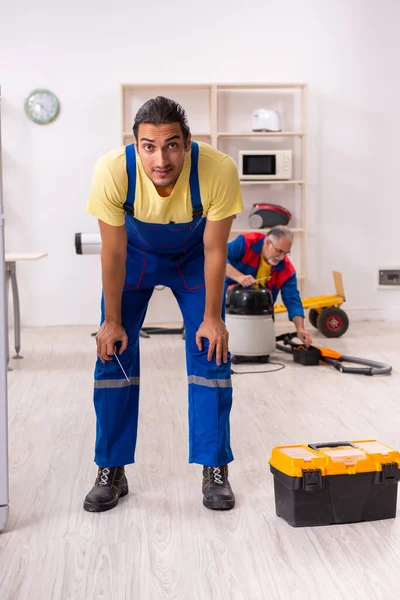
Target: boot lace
<point x="217" y="475"/>
<point x="103" y="476"/>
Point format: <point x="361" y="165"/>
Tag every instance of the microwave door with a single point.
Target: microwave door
<point x="259" y="165"/>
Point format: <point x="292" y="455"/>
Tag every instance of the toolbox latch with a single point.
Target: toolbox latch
<point x="312" y="480"/>
<point x="390" y="471"/>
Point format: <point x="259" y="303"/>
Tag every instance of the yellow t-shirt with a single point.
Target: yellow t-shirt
<point x="219" y="189"/>
<point x="264" y="270"/>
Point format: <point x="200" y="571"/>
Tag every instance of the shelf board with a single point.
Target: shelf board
<point x="242" y="87"/>
<point x="176" y="86"/>
<point x="219" y="86"/>
<point x="262" y="134"/>
<point x="273" y="182"/>
<point x="266" y="229"/>
<point x="194" y="135"/>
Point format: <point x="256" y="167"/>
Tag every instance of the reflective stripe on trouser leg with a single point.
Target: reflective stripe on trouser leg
<point x="116" y="401"/>
<point x="117" y="405"/>
<point x="210" y="402"/>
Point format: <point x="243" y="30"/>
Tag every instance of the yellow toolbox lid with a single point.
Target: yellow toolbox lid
<point x="335" y="458"/>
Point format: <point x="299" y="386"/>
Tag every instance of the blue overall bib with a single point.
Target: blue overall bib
<point x="170" y="255"/>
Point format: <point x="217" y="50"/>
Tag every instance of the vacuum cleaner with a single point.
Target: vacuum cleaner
<point x="264" y="214"/>
<point x="250" y="322"/>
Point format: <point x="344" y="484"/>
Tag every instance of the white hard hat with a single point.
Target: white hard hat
<point x="266" y="120"/>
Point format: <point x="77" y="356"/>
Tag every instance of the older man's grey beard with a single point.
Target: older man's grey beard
<point x="274" y="261"/>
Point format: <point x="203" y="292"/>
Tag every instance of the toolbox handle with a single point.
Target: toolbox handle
<point x="330" y="445"/>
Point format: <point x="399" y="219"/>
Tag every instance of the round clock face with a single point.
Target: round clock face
<point x="42" y="106"/>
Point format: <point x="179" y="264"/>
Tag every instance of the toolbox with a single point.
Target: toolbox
<point x="335" y="482"/>
<point x="306" y="356"/>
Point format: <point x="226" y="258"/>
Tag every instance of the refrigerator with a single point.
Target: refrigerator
<point x="4" y="499"/>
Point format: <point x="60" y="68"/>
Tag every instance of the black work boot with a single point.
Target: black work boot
<point x="217" y="492"/>
<point x="110" y="485"/>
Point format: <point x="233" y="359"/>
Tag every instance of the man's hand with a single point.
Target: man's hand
<point x="108" y="334"/>
<point x="215" y="332"/>
<point x="246" y="280"/>
<point x="304" y="336"/>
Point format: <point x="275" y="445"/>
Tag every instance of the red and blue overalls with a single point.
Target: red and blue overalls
<point x="171" y="255"/>
<point x="244" y="254"/>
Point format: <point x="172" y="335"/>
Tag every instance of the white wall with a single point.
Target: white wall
<point x="346" y="50"/>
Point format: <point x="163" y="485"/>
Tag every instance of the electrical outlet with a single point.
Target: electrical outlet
<point x="389" y="277"/>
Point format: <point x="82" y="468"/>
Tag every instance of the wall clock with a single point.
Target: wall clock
<point x="42" y="106"/>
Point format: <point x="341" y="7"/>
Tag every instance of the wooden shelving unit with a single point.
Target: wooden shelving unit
<point x="290" y="182"/>
<point x="220" y="115"/>
<point x="258" y="134"/>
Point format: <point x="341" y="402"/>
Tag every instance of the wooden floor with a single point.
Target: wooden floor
<point x="160" y="542"/>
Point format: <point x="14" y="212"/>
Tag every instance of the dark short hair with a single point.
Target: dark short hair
<point x="160" y="110"/>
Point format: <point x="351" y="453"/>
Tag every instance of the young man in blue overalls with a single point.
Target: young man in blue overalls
<point x="165" y="206"/>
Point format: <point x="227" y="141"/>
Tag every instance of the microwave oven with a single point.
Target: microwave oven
<point x="265" y="164"/>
